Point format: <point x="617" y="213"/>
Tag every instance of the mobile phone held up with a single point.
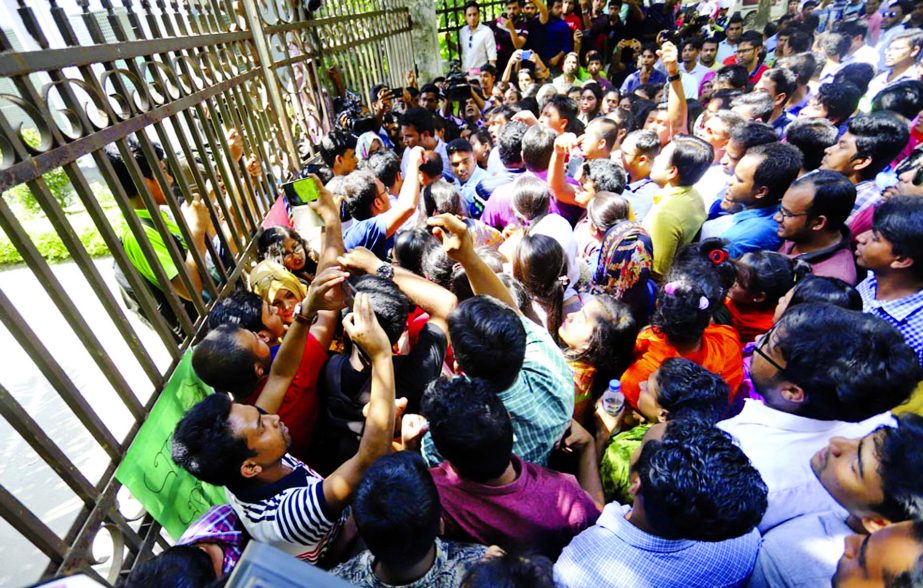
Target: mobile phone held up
<point x="526" y="55"/>
<point x="301" y="192"/>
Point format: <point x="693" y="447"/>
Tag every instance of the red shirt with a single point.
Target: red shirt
<point x="301" y="404"/>
<point x="755" y="75"/>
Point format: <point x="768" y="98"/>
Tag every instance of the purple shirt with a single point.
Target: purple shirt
<point x="498" y="212"/>
<point x="220" y="526"/>
<point x="839" y="264"/>
<point x="542" y="510"/>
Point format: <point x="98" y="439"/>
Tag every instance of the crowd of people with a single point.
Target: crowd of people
<point x="632" y="298"/>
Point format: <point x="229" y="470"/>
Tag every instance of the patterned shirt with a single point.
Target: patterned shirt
<point x="905" y="314"/>
<point x="616" y="549"/>
<point x="290" y="514"/>
<point x="540" y="401"/>
<point x="452" y="562"/>
<point x="867" y="194"/>
<point x="220" y="525"/>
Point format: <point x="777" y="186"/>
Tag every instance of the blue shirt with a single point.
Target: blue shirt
<point x="634" y="80"/>
<point x="905" y="314"/>
<point x="473" y="202"/>
<point x="753" y="230"/>
<point x="370" y="233"/>
<point x="614" y="552"/>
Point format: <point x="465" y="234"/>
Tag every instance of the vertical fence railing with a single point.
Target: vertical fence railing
<point x="234" y="95"/>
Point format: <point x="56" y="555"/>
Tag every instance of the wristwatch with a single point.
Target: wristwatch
<point x="673" y="78"/>
<point x="386" y="271"/>
<point x="300" y="317"/>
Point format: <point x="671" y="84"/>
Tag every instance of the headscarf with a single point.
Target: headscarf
<point x="268" y="277"/>
<point x="364" y="144"/>
<point x="626" y="257"/>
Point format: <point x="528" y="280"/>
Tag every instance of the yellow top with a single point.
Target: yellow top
<point x="672" y="222"/>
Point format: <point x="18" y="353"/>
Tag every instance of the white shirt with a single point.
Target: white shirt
<point x="713" y="184"/>
<point x="864" y="54"/>
<point x="440" y="149"/>
<point x="725" y="50"/>
<point x="556" y="226"/>
<point x="780" y="446"/>
<point x="698" y="72"/>
<point x="477" y="48"/>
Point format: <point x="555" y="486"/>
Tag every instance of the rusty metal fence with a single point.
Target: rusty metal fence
<point x="237" y="93"/>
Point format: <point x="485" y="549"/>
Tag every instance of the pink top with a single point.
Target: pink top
<point x="840" y="265"/>
<point x="541" y="510"/>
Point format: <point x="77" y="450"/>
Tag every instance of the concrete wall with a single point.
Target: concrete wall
<point x="425" y="40"/>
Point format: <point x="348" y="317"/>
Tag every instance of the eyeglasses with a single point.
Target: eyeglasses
<point x="909" y="164"/>
<point x="290" y="255"/>
<point x="789" y="214"/>
<point x="759" y="350"/>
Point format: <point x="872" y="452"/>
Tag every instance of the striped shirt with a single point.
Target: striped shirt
<point x="904" y="314"/>
<point x="290" y="514"/>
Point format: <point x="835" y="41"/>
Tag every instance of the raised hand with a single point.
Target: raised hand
<point x="363" y="329"/>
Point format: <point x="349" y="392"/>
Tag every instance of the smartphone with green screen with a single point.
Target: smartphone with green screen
<point x="301" y="192"/>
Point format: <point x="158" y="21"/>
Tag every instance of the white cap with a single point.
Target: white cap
<point x="725" y="3"/>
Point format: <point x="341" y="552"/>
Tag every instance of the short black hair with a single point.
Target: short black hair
<point x="240" y="308"/>
<point x="859" y="74"/>
<point x="397" y="509"/>
<point x="441" y="197"/>
<point x="750" y="134"/>
<point x="205" y="446"/>
<point x="825" y="290"/>
<point x="900" y="466"/>
<point x="390" y="305"/>
<point x="686" y="390"/>
<point x="470" y="426"/>
<point x="692" y="157"/>
<point x="900" y="221"/>
<point x="755" y="38"/>
<point x="800" y="41"/>
<point x="608" y="129"/>
<point x="511" y="570"/>
<point x="736" y="75"/>
<point x="771" y="273"/>
<point x="458" y="146"/>
<point x="904" y="98"/>
<point x="411" y="247"/>
<point x="360" y="190"/>
<point x="679" y="314"/>
<point x="812" y="136"/>
<point x="840" y="100"/>
<point x="881" y="136"/>
<point x="845" y="378"/>
<point x="489" y="340"/>
<point x="180" y="565"/>
<point x="853" y="27"/>
<point x="471" y="4"/>
<point x="760" y="103"/>
<point x="803" y="64"/>
<point x="834" y="196"/>
<point x="419" y="118"/>
<point x="224" y="364"/>
<point x="509" y="143"/>
<point x="836" y="44"/>
<point x="646" y="142"/>
<point x="697" y="484"/>
<point x="537" y="147"/>
<point x="778" y="169"/>
<point x="374" y="91"/>
<point x="385" y="165"/>
<point x="567" y="109"/>
<point x="336" y="142"/>
<point x="121" y="168"/>
<point x="606" y="175"/>
<point x="783" y="79"/>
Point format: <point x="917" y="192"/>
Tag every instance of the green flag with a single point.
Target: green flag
<point x="168" y="492"/>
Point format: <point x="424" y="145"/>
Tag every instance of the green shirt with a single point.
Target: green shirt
<point x="672" y="222"/>
<point x="137" y="258"/>
<point x="616" y="464"/>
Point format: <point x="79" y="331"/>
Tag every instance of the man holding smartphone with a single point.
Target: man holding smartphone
<point x="478" y="46"/>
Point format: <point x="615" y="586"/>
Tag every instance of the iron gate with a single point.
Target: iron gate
<point x="237" y="92"/>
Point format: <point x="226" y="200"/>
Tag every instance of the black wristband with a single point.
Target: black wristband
<point x="673" y="78"/>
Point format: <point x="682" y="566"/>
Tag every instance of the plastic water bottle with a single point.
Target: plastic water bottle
<point x="613" y="399"/>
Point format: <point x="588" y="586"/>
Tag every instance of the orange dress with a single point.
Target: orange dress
<point x="749" y="323"/>
<point x="721" y="353"/>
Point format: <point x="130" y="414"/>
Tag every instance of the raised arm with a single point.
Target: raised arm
<point x="518" y="40"/>
<point x="557" y="171"/>
<point x="456" y="241"/>
<point x="363" y="330"/>
<point x="323" y="295"/>
<point x="431" y="297"/>
<point x="513" y="63"/>
<point x="324" y="328"/>
<point x="542" y="11"/>
<point x="676" y="103"/>
<point x="409" y="197"/>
